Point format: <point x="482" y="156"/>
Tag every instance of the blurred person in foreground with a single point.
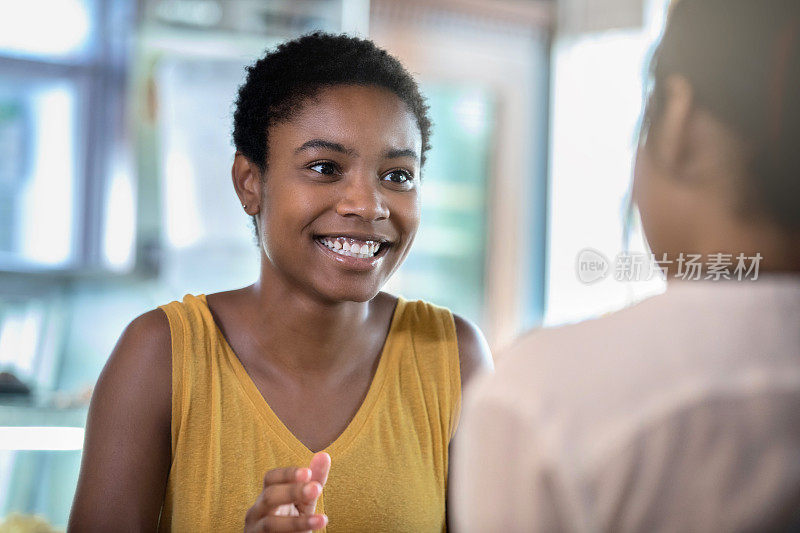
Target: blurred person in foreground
<point x="681" y="413"/>
<point x="310" y="395"/>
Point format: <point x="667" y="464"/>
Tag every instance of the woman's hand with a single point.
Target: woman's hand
<point x="289" y="498"/>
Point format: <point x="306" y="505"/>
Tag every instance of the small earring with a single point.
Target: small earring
<point x="244" y="206"/>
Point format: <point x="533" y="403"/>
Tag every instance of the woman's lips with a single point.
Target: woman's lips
<point x="352" y="246"/>
<point x="347" y="256"/>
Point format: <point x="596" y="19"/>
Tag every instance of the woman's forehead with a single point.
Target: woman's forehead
<point x="354" y="116"/>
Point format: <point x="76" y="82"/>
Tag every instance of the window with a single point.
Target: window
<point x="61" y="85"/>
<point x="597" y="81"/>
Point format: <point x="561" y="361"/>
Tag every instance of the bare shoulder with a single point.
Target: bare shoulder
<point x="148" y="332"/>
<point x="142" y="353"/>
<point x="473" y="350"/>
<point x="144" y="350"/>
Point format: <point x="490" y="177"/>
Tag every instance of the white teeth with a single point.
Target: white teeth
<point x="351" y="247"/>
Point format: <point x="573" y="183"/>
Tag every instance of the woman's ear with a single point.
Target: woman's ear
<point x="247" y="182"/>
<point x="671" y="142"/>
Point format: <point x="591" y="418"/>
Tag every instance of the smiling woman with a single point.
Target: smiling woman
<point x="344" y="168"/>
<point x="310" y="395"/>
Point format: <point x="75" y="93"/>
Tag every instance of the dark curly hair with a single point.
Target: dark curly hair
<point x="278" y="84"/>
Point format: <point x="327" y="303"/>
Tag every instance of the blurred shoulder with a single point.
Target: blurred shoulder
<point x="474" y="355"/>
<point x="572" y="364"/>
<point x="631" y="327"/>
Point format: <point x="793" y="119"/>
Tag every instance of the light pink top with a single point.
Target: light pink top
<point x="681" y="413"/>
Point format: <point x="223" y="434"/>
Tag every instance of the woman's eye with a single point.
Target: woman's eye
<point x="398" y="176"/>
<point x="326" y="169"/>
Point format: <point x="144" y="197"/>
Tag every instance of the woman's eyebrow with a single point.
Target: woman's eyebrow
<point x="391" y="153"/>
<point x="394" y="153"/>
<point x="328" y="145"/>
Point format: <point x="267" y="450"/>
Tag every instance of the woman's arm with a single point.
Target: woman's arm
<point x="126" y="452"/>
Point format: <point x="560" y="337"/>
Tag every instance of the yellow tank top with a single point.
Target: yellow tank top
<point x="388" y="467"/>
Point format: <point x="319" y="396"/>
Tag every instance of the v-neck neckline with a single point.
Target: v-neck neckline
<point x="280" y="429"/>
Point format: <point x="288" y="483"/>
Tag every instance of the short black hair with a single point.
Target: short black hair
<point x="277" y="85"/>
<point x="742" y="60"/>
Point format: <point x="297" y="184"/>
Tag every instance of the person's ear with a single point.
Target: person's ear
<point x="247" y="182"/>
<point x="671" y="142"/>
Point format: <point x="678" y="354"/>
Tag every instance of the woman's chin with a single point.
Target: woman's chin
<point x="343" y="294"/>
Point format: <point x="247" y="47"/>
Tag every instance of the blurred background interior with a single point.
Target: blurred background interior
<point x="115" y="196"/>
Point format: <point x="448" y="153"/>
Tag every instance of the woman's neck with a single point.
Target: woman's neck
<point x="303" y="333"/>
<point x="752" y="236"/>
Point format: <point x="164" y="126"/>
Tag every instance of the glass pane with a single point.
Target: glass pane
<point x="38" y="160"/>
<point x="20" y="336"/>
<point x="203" y="220"/>
<point x="120" y="221"/>
<point x="60" y="29"/>
<point x="199" y="206"/>
<point x="446" y="262"/>
<point x="36" y="488"/>
<point x="40" y="454"/>
<point x="593" y="145"/>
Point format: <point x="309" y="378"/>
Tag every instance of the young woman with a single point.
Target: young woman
<point x="681" y="413"/>
<point x="209" y="412"/>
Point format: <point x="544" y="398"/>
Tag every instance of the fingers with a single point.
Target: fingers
<point x="320" y="466"/>
<point x="292" y="489"/>
<point x="290" y="523"/>
<point x="275" y="498"/>
<point x="287" y="509"/>
<point x="298" y="493"/>
<point x="287" y="475"/>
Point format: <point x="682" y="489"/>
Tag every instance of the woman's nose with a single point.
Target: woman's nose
<point x="362" y="197"/>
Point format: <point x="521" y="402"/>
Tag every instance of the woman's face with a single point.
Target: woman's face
<point x="340" y="198"/>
